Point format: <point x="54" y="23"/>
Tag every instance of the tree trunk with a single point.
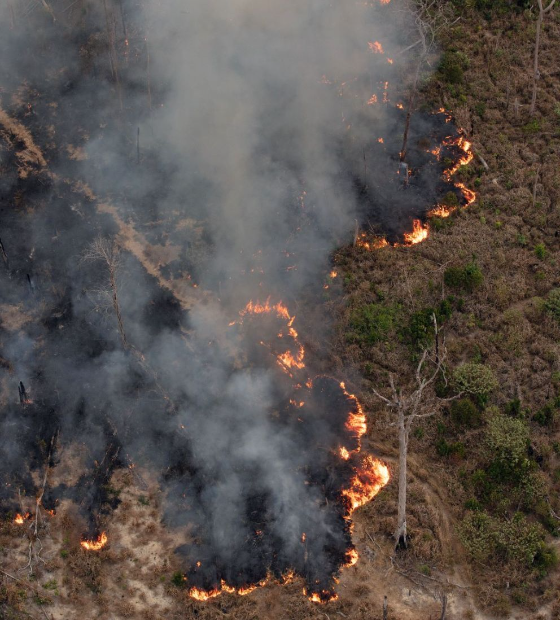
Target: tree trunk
<point x="400" y="532"/>
<point x="536" y="65"/>
<point x="117" y="308"/>
<point x="410" y="108"/>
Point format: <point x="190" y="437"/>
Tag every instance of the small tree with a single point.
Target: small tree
<point x="420" y="403"/>
<point x="536" y="73"/>
<point x="107" y="251"/>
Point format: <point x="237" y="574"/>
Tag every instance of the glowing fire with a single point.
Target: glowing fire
<point x="441" y="211"/>
<point x="19" y="519"/>
<point x="419" y="233"/>
<point x="320" y="597"/>
<point x="203" y="595"/>
<point x="333" y="274"/>
<point x="97" y="544"/>
<point x="366" y="484"/>
<point x="373" y="244"/>
<point x="372" y="100"/>
<point x="344" y="454"/>
<point x="352" y="557"/>
<point x="375" y="47"/>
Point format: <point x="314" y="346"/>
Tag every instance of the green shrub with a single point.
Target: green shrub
<point x="552" y="303"/>
<point x="371" y="323"/>
<point x="515" y="541"/>
<point x="466" y="413"/>
<point x="420" y="328"/>
<point x="178" y="579"/>
<point x="474" y="378"/>
<point x="541" y="251"/>
<point x="546" y="416"/>
<point x="466" y="278"/>
<point x="453" y="66"/>
<point x="507" y="440"/>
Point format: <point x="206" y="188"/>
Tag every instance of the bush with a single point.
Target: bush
<point x="420" y="328"/>
<point x="466" y="278"/>
<point x="552" y="303"/>
<point x="476" y="379"/>
<point x="453" y="66"/>
<point x="178" y="579"/>
<point x="541" y="251"/>
<point x="371" y="323"/>
<point x="546" y="416"/>
<point x="507" y="440"/>
<point x="466" y="413"/>
<point x="513" y="541"/>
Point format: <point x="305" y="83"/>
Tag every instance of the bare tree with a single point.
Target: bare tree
<point x="420" y="403"/>
<point x="108" y="252"/>
<point x="536" y="73"/>
<point x="430" y="17"/>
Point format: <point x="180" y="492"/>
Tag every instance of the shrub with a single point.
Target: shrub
<point x="466" y="413"/>
<point x="453" y="66"/>
<point x="552" y="303"/>
<point x="474" y="378"/>
<point x="541" y="251"/>
<point x="371" y="323"/>
<point x="515" y="541"/>
<point x="420" y="328"/>
<point x="465" y="278"/>
<point x="546" y="416"/>
<point x="178" y="579"/>
<point x="507" y="440"/>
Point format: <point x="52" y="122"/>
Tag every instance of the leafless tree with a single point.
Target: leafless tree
<point x="430" y="17"/>
<point x="420" y="403"/>
<point x="536" y="73"/>
<point x="107" y="251"/>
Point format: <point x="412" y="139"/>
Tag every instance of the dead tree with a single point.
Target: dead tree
<point x="536" y="73"/>
<point x="420" y="403"/>
<point x="107" y="251"/>
<point x="430" y="18"/>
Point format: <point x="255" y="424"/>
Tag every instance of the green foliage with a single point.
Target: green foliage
<point x="64" y="553"/>
<point x="466" y="278"/>
<point x="547" y="415"/>
<point x="533" y="126"/>
<point x="474" y="378"/>
<point x="178" y="579"/>
<point x="540" y="251"/>
<point x="420" y="329"/>
<point x="371" y="323"/>
<point x="515" y="541"/>
<point x="473" y="504"/>
<point x="552" y="303"/>
<point x="143" y="500"/>
<point x="443" y="448"/>
<point x="507" y="440"/>
<point x="513" y="408"/>
<point x="465" y="413"/>
<point x="452" y="67"/>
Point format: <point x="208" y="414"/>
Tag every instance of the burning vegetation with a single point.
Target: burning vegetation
<point x="259" y="459"/>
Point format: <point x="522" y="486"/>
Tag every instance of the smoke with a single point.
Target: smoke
<point x="227" y="149"/>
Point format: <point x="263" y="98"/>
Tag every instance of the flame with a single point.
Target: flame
<point x="380" y="140"/>
<point x="203" y="595"/>
<point x="372" y="100"/>
<point x="352" y="557"/>
<point x="266" y="308"/>
<point x="333" y="274"/>
<point x="370" y="478"/>
<point x="324" y="596"/>
<point x="97" y="544"/>
<point x="400" y="106"/>
<point x="441" y="211"/>
<point x="19" y="519"/>
<point x="466" y="146"/>
<point x="344" y="454"/>
<point x="419" y="233"/>
<point x="375" y="244"/>
<point x="390" y="61"/>
<point x="375" y="47"/>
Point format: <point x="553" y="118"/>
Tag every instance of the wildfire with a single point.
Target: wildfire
<point x="203" y="595"/>
<point x="372" y="100"/>
<point x="333" y="274"/>
<point x="380" y="140"/>
<point x="374" y="244"/>
<point x="344" y="454"/>
<point x="97" y="544"/>
<point x="266" y="308"/>
<point x="370" y="478"/>
<point x="441" y="211"/>
<point x="19" y="519"/>
<point x="466" y="146"/>
<point x="375" y="47"/>
<point x="324" y="596"/>
<point x="352" y="557"/>
<point x="419" y="233"/>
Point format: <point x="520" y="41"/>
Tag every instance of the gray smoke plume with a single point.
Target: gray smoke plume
<point x="231" y="146"/>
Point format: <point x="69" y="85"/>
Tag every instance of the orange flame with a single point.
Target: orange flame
<point x="352" y="557"/>
<point x="372" y="100"/>
<point x="203" y="595"/>
<point x="419" y="233"/>
<point x="19" y="519"/>
<point x="370" y="478"/>
<point x="375" y="47"/>
<point x="374" y="244"/>
<point x="441" y="211"/>
<point x="344" y="453"/>
<point x="97" y="544"/>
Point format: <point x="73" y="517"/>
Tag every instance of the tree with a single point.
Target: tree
<point x="408" y="409"/>
<point x="430" y="18"/>
<point x="107" y="251"/>
<point x="536" y="74"/>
